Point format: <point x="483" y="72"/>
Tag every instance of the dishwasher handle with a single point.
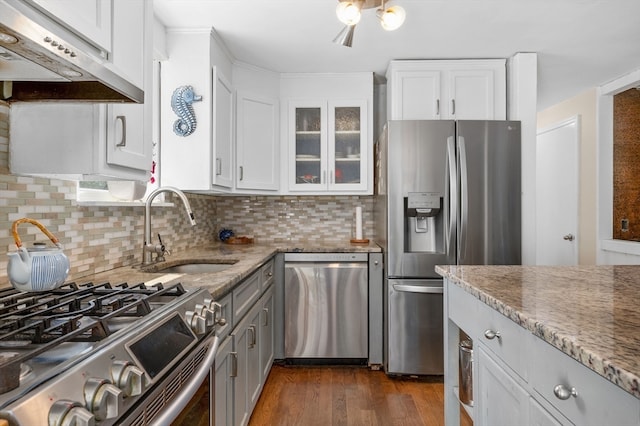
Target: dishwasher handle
<point x="407" y="288"/>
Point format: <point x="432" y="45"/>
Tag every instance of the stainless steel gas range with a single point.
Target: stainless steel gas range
<point x="101" y="354"/>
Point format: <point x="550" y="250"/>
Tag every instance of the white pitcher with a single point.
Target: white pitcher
<point x="39" y="268"/>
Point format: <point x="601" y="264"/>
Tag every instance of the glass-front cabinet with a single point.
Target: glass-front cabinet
<point x="328" y="146"/>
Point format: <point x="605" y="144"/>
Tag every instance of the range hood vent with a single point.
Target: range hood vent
<point x="41" y="60"/>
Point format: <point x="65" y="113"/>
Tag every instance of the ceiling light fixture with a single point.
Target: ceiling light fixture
<point x="349" y="12"/>
<point x="345" y="37"/>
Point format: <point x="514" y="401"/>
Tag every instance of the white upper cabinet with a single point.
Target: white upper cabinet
<point x="451" y="89"/>
<point x="222" y="116"/>
<point x="90" y="19"/>
<point x="257" y="142"/>
<point x="129" y="55"/>
<point x="327" y="127"/>
<point x="114" y="29"/>
<point x="93" y="141"/>
<point x="203" y="159"/>
<point x="329" y="150"/>
<point x="129" y="130"/>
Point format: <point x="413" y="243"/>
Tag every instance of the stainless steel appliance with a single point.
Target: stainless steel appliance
<point x="48" y="61"/>
<point x="326" y="306"/>
<point x="448" y="192"/>
<point x="97" y="354"/>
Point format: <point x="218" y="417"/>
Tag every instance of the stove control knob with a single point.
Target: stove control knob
<point x="102" y="398"/>
<point x="128" y="377"/>
<point x="198" y="323"/>
<point x="207" y="313"/>
<point x="70" y="413"/>
<point x="217" y="312"/>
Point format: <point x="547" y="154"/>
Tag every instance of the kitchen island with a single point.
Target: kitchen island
<point x="562" y="342"/>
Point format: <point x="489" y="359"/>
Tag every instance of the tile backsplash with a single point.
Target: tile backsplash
<point x="290" y="218"/>
<point x="97" y="239"/>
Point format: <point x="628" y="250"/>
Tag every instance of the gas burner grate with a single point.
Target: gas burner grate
<point x="33" y="323"/>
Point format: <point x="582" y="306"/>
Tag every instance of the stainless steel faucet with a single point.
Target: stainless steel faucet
<point x="148" y="248"/>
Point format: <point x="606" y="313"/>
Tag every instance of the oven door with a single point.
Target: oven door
<point x="184" y="397"/>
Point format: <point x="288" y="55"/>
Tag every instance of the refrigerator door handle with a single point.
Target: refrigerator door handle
<point x="452" y="192"/>
<point x="464" y="199"/>
<point x="417" y="288"/>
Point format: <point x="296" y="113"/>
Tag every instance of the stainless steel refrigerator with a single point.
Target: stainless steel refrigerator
<point x="447" y="192"/>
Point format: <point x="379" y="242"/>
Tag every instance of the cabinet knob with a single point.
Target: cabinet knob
<point x="490" y="334"/>
<point x="563" y="392"/>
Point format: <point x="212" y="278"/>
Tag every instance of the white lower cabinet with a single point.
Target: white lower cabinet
<point x="224" y="371"/>
<point x="538" y="416"/>
<point x="247" y="378"/>
<point x="501" y="401"/>
<point x="515" y="374"/>
<point x="267" y="335"/>
<point x="244" y="358"/>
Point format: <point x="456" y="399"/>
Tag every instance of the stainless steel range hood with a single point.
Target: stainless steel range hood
<point x="42" y="60"/>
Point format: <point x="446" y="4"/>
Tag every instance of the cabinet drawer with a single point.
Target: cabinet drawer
<point x="475" y="318"/>
<point x="510" y="342"/>
<point x="226" y="313"/>
<point x="463" y="310"/>
<point x="245" y="295"/>
<point x="267" y="274"/>
<point x="597" y="400"/>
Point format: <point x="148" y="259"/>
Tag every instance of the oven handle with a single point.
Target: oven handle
<point x="171" y="412"/>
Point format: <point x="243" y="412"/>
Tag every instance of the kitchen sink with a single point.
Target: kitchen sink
<point x="197" y="268"/>
<point x="193" y="267"/>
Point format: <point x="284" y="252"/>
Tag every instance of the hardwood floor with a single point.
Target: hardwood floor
<point x="335" y="395"/>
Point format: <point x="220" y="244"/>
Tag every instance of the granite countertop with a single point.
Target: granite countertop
<point x="249" y="257"/>
<point x="592" y="313"/>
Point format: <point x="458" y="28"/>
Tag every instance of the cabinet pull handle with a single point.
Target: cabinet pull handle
<point x="490" y="334"/>
<point x="453" y="107"/>
<point x="123" y="140"/>
<point x="563" y="392"/>
<point x="241" y="172"/>
<point x="437" y="106"/>
<point x="252" y="342"/>
<point x="234" y="364"/>
<point x="266" y="316"/>
<point x="218" y="166"/>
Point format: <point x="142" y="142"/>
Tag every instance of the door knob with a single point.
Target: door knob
<point x="568" y="237"/>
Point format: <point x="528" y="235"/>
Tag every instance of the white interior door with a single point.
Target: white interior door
<point x="557" y="189"/>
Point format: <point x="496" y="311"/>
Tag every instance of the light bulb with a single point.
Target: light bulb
<point x="348" y="13"/>
<point x="392" y="18"/>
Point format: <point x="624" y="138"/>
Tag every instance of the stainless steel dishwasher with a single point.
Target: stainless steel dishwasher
<point x="326" y="306"/>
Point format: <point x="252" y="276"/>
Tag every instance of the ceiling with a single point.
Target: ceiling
<point x="580" y="43"/>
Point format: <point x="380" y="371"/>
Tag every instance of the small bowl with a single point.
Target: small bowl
<point x="127" y="190"/>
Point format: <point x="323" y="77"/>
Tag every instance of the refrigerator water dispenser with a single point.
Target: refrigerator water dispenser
<point x="424" y="225"/>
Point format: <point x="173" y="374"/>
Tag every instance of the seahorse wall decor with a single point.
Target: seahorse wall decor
<point x="181" y="101"/>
